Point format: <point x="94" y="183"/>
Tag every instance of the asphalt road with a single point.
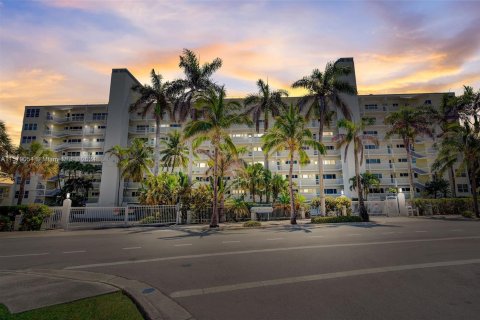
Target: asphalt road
<point x="400" y="268"/>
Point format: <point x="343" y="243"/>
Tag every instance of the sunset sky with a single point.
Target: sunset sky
<point x="62" y="52"/>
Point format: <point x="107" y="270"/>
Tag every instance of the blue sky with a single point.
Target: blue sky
<point x="59" y="51"/>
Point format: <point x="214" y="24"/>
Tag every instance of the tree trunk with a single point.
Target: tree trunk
<point x="451" y="178"/>
<point x="23" y="180"/>
<point x="473" y="182"/>
<point x="118" y="190"/>
<point x="190" y="161"/>
<point x="321" y="182"/>
<point x="410" y="171"/>
<point x="214" y="220"/>
<point x="362" y="210"/>
<point x="156" y="156"/>
<point x="265" y="129"/>
<point x="293" y="214"/>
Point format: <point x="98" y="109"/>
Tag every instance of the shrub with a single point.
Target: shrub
<point x="343" y="201"/>
<point x="315" y="203"/>
<point x="33" y="216"/>
<point x="467" y="214"/>
<point x="339" y="219"/>
<point x="6" y="224"/>
<point x="443" y="206"/>
<point x="330" y="204"/>
<point x="252" y="224"/>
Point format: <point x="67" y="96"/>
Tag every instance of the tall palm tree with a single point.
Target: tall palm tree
<point x="5" y="141"/>
<point x="7" y="164"/>
<point x="34" y="160"/>
<point x="253" y="176"/>
<point x="120" y="154"/>
<point x="218" y="117"/>
<point x="197" y="81"/>
<point x="408" y="123"/>
<point x="138" y="160"/>
<point x="153" y="98"/>
<point x="266" y="102"/>
<point x="175" y="152"/>
<point x="289" y="133"/>
<point x="324" y="95"/>
<point x="355" y="135"/>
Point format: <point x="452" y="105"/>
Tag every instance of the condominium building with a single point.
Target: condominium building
<point x="85" y="132"/>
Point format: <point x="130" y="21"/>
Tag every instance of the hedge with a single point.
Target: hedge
<point x="252" y="224"/>
<point x="33" y="216"/>
<point x="338" y="219"/>
<point x="443" y="206"/>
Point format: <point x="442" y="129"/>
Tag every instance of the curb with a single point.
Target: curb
<point x="153" y="304"/>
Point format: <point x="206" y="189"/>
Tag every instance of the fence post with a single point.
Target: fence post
<point x="67" y="205"/>
<point x="18" y="222"/>
<point x="189" y="216"/>
<point x="127" y="210"/>
<point x="402" y="206"/>
<point x="178" y="208"/>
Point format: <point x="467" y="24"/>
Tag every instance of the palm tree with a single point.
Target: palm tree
<point x="324" y="95"/>
<point x="408" y="123"/>
<point x="289" y="133"/>
<point x="5" y="141"/>
<point x="34" y="160"/>
<point x="154" y="98"/>
<point x="138" y="160"/>
<point x="197" y="81"/>
<point x="7" y="164"/>
<point x="355" y="135"/>
<point x="253" y="176"/>
<point x="218" y="117"/>
<point x="120" y="154"/>
<point x="278" y="185"/>
<point x="175" y="153"/>
<point x="265" y="102"/>
<point x="367" y="180"/>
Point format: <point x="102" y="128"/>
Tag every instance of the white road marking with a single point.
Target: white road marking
<point x="317" y="277"/>
<point x="182" y="244"/>
<point x="131" y="248"/>
<point x="77" y="251"/>
<point x="316" y="236"/>
<point x="274" y="239"/>
<point x="388" y="232"/>
<point x="232" y="241"/>
<point x="231" y="253"/>
<point x="25" y="255"/>
<point x="421" y="231"/>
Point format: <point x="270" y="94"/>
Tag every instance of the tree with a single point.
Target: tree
<point x="197" y="81"/>
<point x="289" y="133"/>
<point x="355" y="135"/>
<point x="120" y="154"/>
<point x="175" y="153"/>
<point x="324" y="95"/>
<point x="34" y="160"/>
<point x="7" y="163"/>
<point x="265" y="102"/>
<point x="437" y="185"/>
<point x="408" y="123"/>
<point x="138" y="160"/>
<point x="154" y="98"/>
<point x="253" y="176"/>
<point x="218" y="117"/>
<point x="278" y="185"/>
<point x="367" y="180"/>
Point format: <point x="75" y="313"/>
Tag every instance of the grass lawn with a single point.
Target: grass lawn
<point x="115" y="306"/>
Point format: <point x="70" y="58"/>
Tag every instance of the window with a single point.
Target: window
<point x="330" y="176"/>
<point x="99" y="116"/>
<point x="257" y="148"/>
<point x="327" y="162"/>
<point x="373" y="160"/>
<point x="101" y="127"/>
<point x="395" y="105"/>
<point x="402" y="160"/>
<point x="77" y="116"/>
<point x="72" y="140"/>
<point x="371" y="107"/>
<point x="175" y="125"/>
<point x="99" y="153"/>
<point x="294" y="176"/>
<point x="428" y="102"/>
<point x="100" y="140"/>
<point x="330" y="191"/>
<point x="25" y="194"/>
<point x="288" y="162"/>
<point x="142" y="127"/>
<point x="18" y="179"/>
<point x="330" y="147"/>
<point x="73" y="154"/>
<point x="371" y="146"/>
<point x="135" y="193"/>
<point x="95" y="193"/>
<point x="32" y="113"/>
<point x="376" y="190"/>
<point x="30" y="126"/>
<point x="28" y="139"/>
<point x="400" y="146"/>
<point x="74" y="128"/>
<point x="377" y="175"/>
<point x="371" y="132"/>
<point x="403" y="174"/>
<point x="328" y="133"/>
<point x="462" y="187"/>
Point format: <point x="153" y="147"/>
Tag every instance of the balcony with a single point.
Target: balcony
<point x="80" y="132"/>
<point x="135" y="130"/>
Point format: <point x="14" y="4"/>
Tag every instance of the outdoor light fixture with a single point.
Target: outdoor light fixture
<point x="68" y="195"/>
<point x="341" y="192"/>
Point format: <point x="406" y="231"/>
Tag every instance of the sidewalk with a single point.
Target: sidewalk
<point x="25" y="290"/>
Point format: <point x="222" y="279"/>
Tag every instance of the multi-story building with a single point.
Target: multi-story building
<point x="86" y="132"/>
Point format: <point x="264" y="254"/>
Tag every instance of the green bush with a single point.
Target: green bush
<point x="252" y="224"/>
<point x="443" y="206"/>
<point x="6" y="224"/>
<point x="343" y="201"/>
<point x="339" y="219"/>
<point x="467" y="214"/>
<point x="33" y="216"/>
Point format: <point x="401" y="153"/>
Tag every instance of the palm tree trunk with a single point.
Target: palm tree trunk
<point x="410" y="171"/>
<point x="473" y="182"/>
<point x="293" y="215"/>
<point x="321" y="182"/>
<point x="214" y="220"/>
<point x="118" y="189"/>
<point x="190" y="162"/>
<point x="23" y="180"/>
<point x="265" y="129"/>
<point x="362" y="210"/>
<point x="156" y="156"/>
<point x="451" y="178"/>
